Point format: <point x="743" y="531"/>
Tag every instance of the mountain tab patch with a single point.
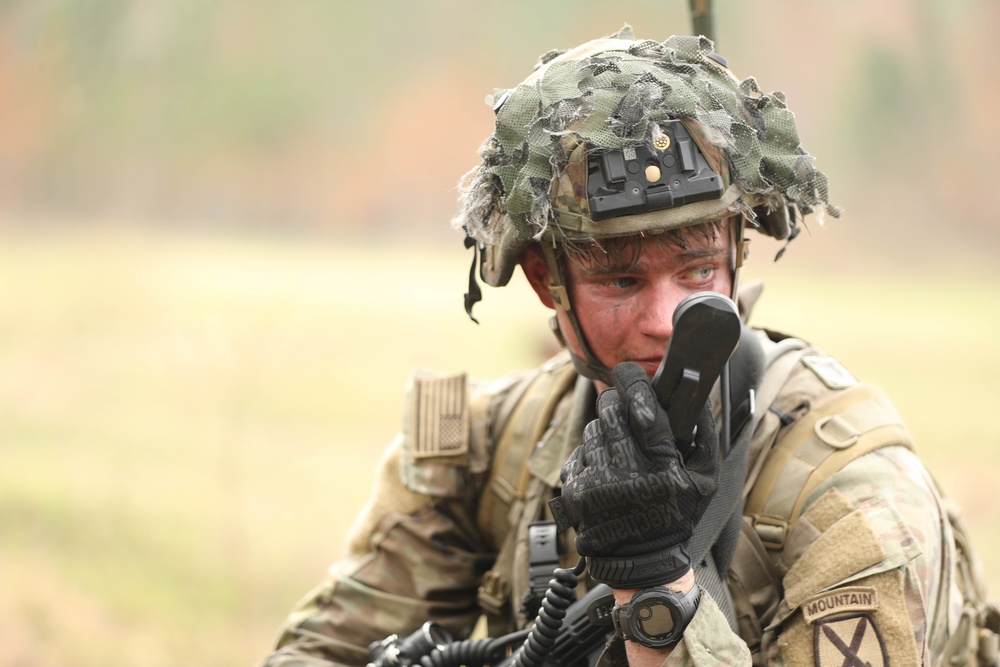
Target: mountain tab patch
<point x="839" y="601"/>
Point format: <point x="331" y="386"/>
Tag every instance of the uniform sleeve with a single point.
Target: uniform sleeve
<point x="708" y="640"/>
<point x="411" y="558"/>
<point x="415" y="553"/>
<point x="865" y="569"/>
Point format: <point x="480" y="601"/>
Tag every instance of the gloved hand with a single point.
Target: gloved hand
<point x="633" y="499"/>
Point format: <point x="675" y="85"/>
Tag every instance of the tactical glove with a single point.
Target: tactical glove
<point x="632" y="497"/>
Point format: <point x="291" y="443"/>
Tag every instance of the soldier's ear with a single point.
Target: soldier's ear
<point x="537" y="273"/>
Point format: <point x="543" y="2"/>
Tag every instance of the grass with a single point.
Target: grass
<point x="189" y="424"/>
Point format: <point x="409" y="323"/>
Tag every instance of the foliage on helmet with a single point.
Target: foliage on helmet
<point x="611" y="96"/>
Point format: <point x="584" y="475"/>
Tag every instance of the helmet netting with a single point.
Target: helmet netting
<point x="611" y="100"/>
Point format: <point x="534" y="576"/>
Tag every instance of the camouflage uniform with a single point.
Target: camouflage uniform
<point x="875" y="531"/>
<point x="847" y="554"/>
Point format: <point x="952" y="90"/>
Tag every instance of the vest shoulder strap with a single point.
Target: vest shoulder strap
<point x="521" y="422"/>
<point x="815" y="419"/>
<point x="530" y="408"/>
<point x="844" y="425"/>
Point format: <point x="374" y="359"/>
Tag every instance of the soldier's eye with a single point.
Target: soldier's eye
<point x="701" y="273"/>
<point x="621" y="282"/>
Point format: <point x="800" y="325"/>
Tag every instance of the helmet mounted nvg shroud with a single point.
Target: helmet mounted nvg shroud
<point x="622" y="137"/>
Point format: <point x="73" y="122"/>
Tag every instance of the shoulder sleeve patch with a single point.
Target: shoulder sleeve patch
<point x="440" y="418"/>
<point x="830" y="371"/>
<point x="435" y="451"/>
<point x="850" y="640"/>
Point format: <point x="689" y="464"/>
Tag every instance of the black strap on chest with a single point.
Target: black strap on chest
<point x="715" y="537"/>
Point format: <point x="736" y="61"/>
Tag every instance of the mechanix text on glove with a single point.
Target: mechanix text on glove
<point x="628" y="492"/>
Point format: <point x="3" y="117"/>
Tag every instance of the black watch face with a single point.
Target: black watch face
<point x="653" y="619"/>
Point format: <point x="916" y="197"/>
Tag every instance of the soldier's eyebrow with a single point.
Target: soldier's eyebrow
<point x="683" y="257"/>
<point x="693" y="254"/>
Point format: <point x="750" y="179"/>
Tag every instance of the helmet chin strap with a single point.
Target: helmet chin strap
<point x="589" y="365"/>
<point x="740" y="254"/>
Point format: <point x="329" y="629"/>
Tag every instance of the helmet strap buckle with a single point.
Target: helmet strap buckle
<point x="560" y="296"/>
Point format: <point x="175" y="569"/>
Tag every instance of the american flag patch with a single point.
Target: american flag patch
<point x="441" y="418"/>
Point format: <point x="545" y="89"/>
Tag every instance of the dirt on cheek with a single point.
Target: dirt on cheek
<point x="613" y="323"/>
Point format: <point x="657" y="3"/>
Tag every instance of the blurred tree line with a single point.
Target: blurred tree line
<point x="330" y="116"/>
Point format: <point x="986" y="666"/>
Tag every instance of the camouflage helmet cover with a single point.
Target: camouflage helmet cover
<point x="613" y="93"/>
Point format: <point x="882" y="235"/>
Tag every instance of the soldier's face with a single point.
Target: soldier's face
<point x="625" y="293"/>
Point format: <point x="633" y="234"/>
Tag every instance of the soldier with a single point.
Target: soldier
<point x="799" y="528"/>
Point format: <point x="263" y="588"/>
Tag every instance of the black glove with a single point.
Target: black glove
<point x="632" y="498"/>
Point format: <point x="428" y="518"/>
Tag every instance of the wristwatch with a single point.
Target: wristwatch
<point x="656" y="617"/>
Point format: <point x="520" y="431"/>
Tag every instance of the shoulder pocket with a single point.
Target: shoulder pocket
<point x="850" y="587"/>
<point x="842" y="427"/>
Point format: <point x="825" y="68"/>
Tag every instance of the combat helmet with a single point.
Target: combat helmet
<point x="619" y="137"/>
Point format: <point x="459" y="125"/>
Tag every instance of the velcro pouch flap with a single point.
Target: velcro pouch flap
<point x="871" y="539"/>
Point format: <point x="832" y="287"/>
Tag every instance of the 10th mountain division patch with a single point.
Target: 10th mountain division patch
<point x="849" y="641"/>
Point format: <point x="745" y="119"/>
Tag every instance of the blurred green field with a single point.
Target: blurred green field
<point x="189" y="423"/>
